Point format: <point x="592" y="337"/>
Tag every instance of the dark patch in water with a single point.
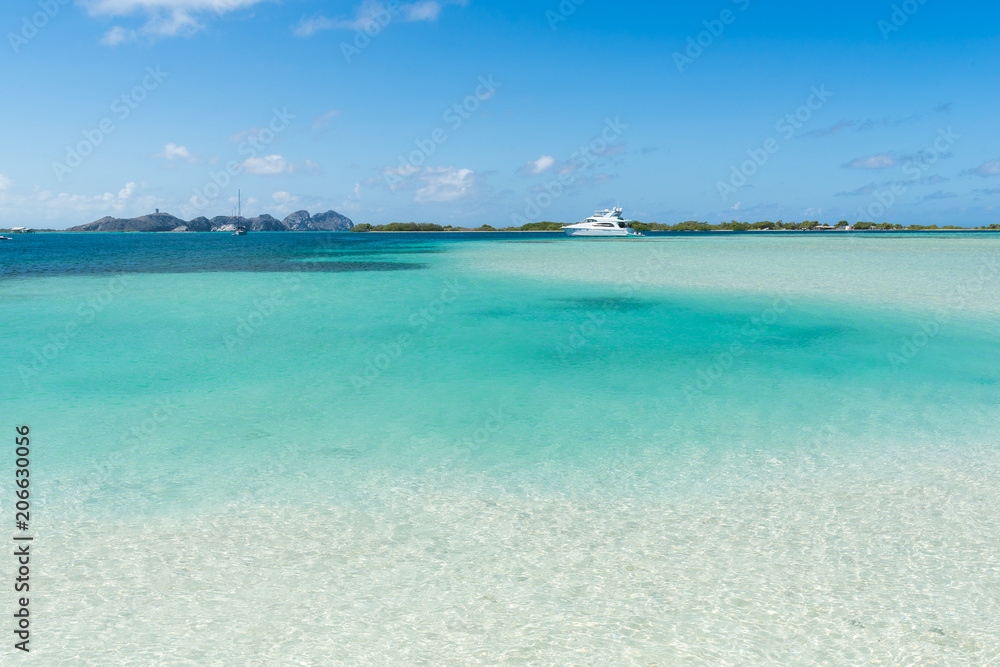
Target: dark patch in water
<point x="493" y="313"/>
<point x="385" y="251"/>
<point x="803" y="334"/>
<point x="102" y="254"/>
<point x="616" y="303"/>
<point x="257" y="267"/>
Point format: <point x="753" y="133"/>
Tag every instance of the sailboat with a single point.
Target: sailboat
<point x="241" y="229"/>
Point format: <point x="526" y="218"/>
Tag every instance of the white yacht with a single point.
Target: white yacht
<point x="606" y="222"/>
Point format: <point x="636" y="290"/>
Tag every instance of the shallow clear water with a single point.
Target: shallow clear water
<point x="471" y="449"/>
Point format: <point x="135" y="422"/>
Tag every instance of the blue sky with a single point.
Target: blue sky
<point x="466" y="112"/>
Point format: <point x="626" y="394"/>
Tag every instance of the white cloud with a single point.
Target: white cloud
<point x="548" y="163"/>
<point x="248" y="133"/>
<point x="427" y="10"/>
<point x="163" y="18"/>
<point x="324" y="119"/>
<point x="439" y="184"/>
<point x="282" y="197"/>
<point x="65" y="209"/>
<point x="118" y="35"/>
<point x="127" y="191"/>
<point x="442" y="184"/>
<point x="368" y="13"/>
<point x="269" y="165"/>
<point x="372" y="12"/>
<point x="395" y="177"/>
<point x="991" y="168"/>
<point x="880" y="161"/>
<point x="308" y="27"/>
<point x="352" y="202"/>
<point x="276" y="165"/>
<point x="535" y="167"/>
<point x="172" y="152"/>
<point x="5" y="183"/>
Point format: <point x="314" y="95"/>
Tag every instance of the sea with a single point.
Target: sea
<point x="504" y="448"/>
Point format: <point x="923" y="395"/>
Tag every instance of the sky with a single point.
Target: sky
<point x="467" y="112"/>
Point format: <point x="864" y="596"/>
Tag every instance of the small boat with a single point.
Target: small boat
<point x="605" y="222"/>
<point x="241" y="229"/>
<point x="6" y="238"/>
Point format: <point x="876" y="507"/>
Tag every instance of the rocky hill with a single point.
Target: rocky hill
<point x="153" y="222"/>
<point x="331" y="221"/>
<point x="300" y="221"/>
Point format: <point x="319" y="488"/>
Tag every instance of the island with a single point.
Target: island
<point x="331" y="221"/>
<point x="300" y="221"/>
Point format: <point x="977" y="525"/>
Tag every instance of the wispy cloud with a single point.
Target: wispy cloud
<point x="991" y="168"/>
<point x="832" y="130"/>
<point x="118" y="35"/>
<point x="767" y="208"/>
<point x="863" y="191"/>
<point x="539" y="166"/>
<point x="595" y="180"/>
<point x="74" y="209"/>
<point x="860" y="125"/>
<point x="173" y="152"/>
<point x="547" y="163"/>
<point x="940" y="194"/>
<point x="612" y="150"/>
<point x="444" y="184"/>
<point x="872" y="123"/>
<point x="372" y="12"/>
<point x="427" y="10"/>
<point x="275" y="165"/>
<point x="880" y="161"/>
<point x="430" y="184"/>
<point x="5" y="182"/>
<point x="282" y="197"/>
<point x="162" y="18"/>
<point x="310" y="26"/>
<point x="323" y="120"/>
<point x="870" y="188"/>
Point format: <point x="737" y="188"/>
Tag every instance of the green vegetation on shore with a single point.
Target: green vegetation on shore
<point x="687" y="226"/>
<point x="428" y="227"/>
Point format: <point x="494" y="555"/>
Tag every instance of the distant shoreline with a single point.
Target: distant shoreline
<point x="524" y="231"/>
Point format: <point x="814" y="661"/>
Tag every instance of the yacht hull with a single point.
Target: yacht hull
<point x="604" y="223"/>
<point x="598" y="233"/>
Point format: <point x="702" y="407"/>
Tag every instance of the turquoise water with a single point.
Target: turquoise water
<point x="472" y="449"/>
